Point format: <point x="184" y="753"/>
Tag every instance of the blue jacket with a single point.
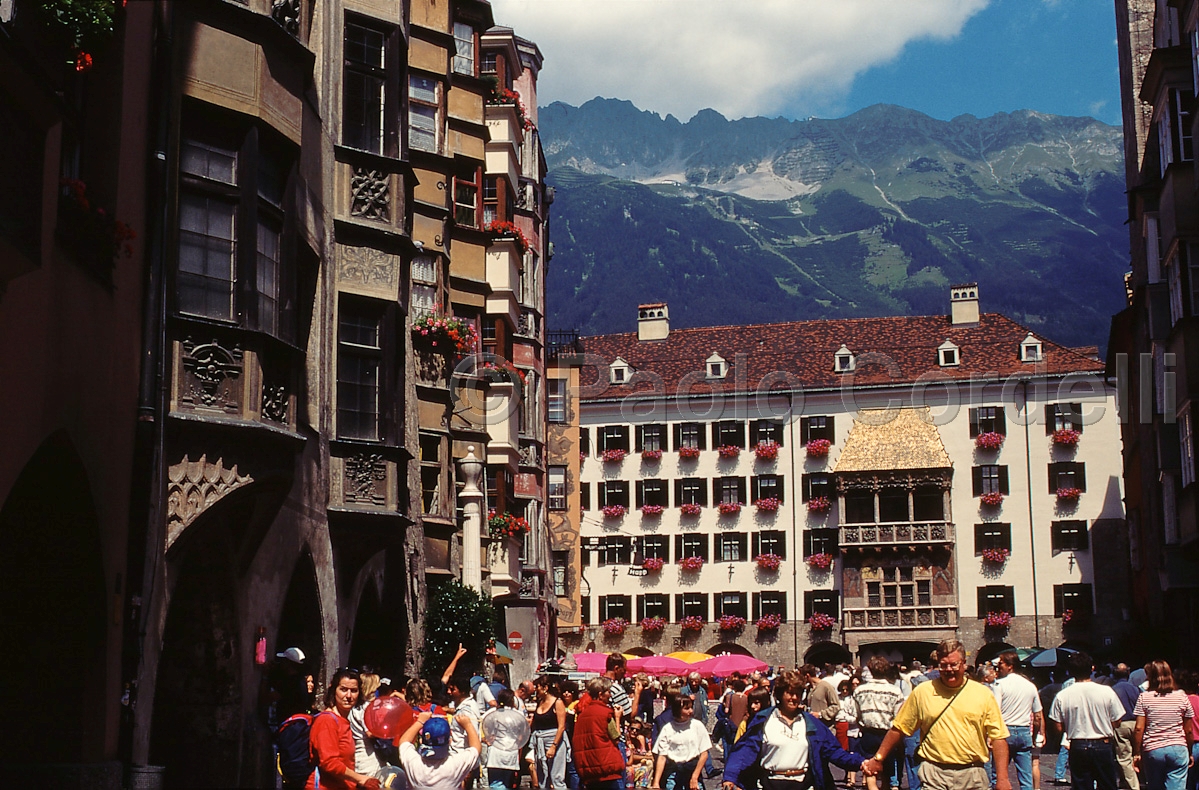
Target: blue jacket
<point x="743" y="766"/>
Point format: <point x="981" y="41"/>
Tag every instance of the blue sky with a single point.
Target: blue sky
<point x="827" y="58"/>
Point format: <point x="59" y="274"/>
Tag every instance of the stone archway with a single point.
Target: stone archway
<point x="990" y="651"/>
<point x="371" y="644"/>
<point x="822" y="653"/>
<point x="300" y="618"/>
<point x="728" y="647"/>
<point x="53" y="597"/>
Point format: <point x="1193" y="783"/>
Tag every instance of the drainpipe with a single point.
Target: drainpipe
<point x="1032" y="533"/>
<point x="796" y="549"/>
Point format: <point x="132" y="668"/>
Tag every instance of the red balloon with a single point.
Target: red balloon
<point x="388" y="717"/>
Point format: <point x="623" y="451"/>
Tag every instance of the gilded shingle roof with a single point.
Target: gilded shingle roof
<point x="891" y="350"/>
<point x="893" y="439"/>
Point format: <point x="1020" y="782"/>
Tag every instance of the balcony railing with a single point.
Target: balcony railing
<point x="900" y="617"/>
<point x="902" y="533"/>
<point x="561" y="343"/>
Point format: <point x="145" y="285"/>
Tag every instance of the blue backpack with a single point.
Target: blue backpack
<point x="295" y="762"/>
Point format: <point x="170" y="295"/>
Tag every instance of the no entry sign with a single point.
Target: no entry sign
<point x="515" y="641"/>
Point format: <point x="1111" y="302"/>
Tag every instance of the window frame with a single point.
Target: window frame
<point x="419" y="107"/>
<point x="386" y="75"/>
<point x="614" y="550"/>
<point x="692" y="544"/>
<point x="1069" y="535"/>
<point x="816" y="484"/>
<point x="822" y="601"/>
<point x="616" y="605"/>
<point x="739" y="541"/>
<point x="690" y="434"/>
<point x="733" y="603"/>
<point x="691" y="605"/>
<point x="821" y="540"/>
<point x="376" y="354"/>
<point x="996" y="598"/>
<point x="984" y="482"/>
<point x="992" y="535"/>
<point x="728" y="433"/>
<point x="649" y="434"/>
<point x="818" y="426"/>
<point x="660" y="606"/>
<point x="1067" y="474"/>
<point x="1077" y="596"/>
<point x="460" y="63"/>
<point x="765" y="486"/>
<point x="767" y="602"/>
<point x="651" y="491"/>
<point x="690" y="490"/>
<point x="472" y="182"/>
<point x="556" y="400"/>
<point x="987" y="419"/>
<point x="556" y="498"/>
<point x="613" y="492"/>
<point x="769" y="541"/>
<point x="766" y="431"/>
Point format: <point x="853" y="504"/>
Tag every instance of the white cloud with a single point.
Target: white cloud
<point x="740" y="57"/>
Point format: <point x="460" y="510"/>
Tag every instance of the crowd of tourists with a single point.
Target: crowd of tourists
<point x="949" y="726"/>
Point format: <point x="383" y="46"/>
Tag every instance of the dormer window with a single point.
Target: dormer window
<point x="948" y="355"/>
<point x="716" y="366"/>
<point x="1030" y="349"/>
<point x="843" y="360"/>
<point x="619" y="371"/>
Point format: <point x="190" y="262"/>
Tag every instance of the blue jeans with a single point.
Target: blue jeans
<point x="1164" y="768"/>
<point x="1193" y="773"/>
<point x="1059" y="768"/>
<point x="677" y="776"/>
<point x="910" y="744"/>
<point x="503" y="779"/>
<point x="1093" y="765"/>
<point x="1019" y="747"/>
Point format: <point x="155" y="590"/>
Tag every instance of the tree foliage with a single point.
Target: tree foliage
<point x="457" y="614"/>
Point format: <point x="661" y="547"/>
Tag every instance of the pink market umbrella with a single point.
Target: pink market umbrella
<point x="723" y="666"/>
<point x="659" y="665"/>
<point x="591" y="662"/>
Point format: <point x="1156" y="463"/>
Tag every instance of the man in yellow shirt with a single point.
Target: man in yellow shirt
<point x="961" y="727"/>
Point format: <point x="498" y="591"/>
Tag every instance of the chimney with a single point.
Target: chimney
<point x="653" y="321"/>
<point x="963" y="304"/>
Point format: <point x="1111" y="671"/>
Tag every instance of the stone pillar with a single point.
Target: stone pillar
<point x="472" y="529"/>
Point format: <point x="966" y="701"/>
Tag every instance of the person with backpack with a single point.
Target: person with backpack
<point x="331" y="741"/>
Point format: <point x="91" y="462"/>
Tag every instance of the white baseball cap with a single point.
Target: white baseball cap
<point x="292" y="654"/>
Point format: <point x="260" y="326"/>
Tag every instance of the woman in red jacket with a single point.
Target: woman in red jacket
<point x="597" y="757"/>
<point x="331" y="741"/>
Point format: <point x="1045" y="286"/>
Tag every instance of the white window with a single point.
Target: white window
<point x="423" y="104"/>
<point x="716" y="367"/>
<point x="948" y="355"/>
<point x="619" y="371"/>
<point x="556" y="400"/>
<point x="1030" y="349"/>
<point x="556" y="488"/>
<point x="1174" y="130"/>
<point x="464" y="49"/>
<point x="1186" y="445"/>
<point x="843" y="361"/>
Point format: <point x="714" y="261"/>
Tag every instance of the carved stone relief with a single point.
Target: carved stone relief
<point x="210" y="374"/>
<point x="193" y="487"/>
<point x="275" y="400"/>
<point x="369" y="266"/>
<point x="430" y="367"/>
<point x="287" y="14"/>
<point x="370" y="194"/>
<point x="365" y="480"/>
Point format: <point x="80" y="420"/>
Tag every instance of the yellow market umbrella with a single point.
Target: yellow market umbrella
<point x="689" y="656"/>
<point x="630" y="656"/>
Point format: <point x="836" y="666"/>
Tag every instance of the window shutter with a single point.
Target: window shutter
<point x="585" y="441"/>
<point x="601" y="438"/>
<point x="678" y="607"/>
<point x="584" y="496"/>
<point x="1009" y="600"/>
<point x="982" y="602"/>
<point x="639" y="494"/>
<point x="977" y="478"/>
<point x="623" y="432"/>
<point x="756" y="610"/>
<point x="1076" y="416"/>
<point x="716" y="489"/>
<point x="1049" y="419"/>
<point x="1003" y="485"/>
<point x="702" y="437"/>
<point x="1053" y="470"/>
<point x="741" y="435"/>
<point x="1058" y="600"/>
<point x="975" y="430"/>
<point x="755" y="545"/>
<point x="584" y="557"/>
<point x="640" y="607"/>
<point x="807" y="605"/>
<point x="715" y="434"/>
<point x="1001" y="420"/>
<point x="830" y="423"/>
<point x="702" y="495"/>
<point x="678" y="492"/>
<point x="703" y="606"/>
<point x="804" y="429"/>
<point x="639" y="438"/>
<point x="676" y="432"/>
<point x="741" y="490"/>
<point x="1080" y="475"/>
<point x="753" y="432"/>
<point x="779" y="433"/>
<point x="678" y="547"/>
<point x="780" y="488"/>
<point x="601" y="492"/>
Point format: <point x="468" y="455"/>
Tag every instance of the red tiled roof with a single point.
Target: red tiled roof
<point x="891" y="350"/>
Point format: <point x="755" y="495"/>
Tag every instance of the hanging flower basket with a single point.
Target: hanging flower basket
<point x="996" y="556"/>
<point x="687" y="451"/>
<point x="615" y="626"/>
<point x="445" y="333"/>
<point x="653" y="563"/>
<point x="1066" y="437"/>
<point x="767" y="504"/>
<point x="728" y="451"/>
<point x="613" y="456"/>
<point x="731" y="622"/>
<point x="819" y="504"/>
<point x="818" y="448"/>
<point x="1068" y="616"/>
<point x="767" y="451"/>
<point x="1068" y="494"/>
<point x="692" y="622"/>
<point x="993" y="499"/>
<point x="508" y="232"/>
<point x="691" y="563"/>
<point x="93" y="237"/>
<point x="653" y="624"/>
<point x="820" y="561"/>
<point x="614" y="511"/>
<point x="503" y="372"/>
<point x="729" y="508"/>
<point x="504" y="525"/>
<point x="990" y="440"/>
<point x="999" y="619"/>
<point x="501" y="96"/>
<point x="651" y="455"/>
<point x="820" y="621"/>
<point x="690" y="509"/>
<point x="768" y="562"/>
<point x="652" y="510"/>
<point x="769" y="622"/>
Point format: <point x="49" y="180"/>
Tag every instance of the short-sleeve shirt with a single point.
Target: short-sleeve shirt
<point x="1087" y="710"/>
<point x="457" y="733"/>
<point x="446" y="775"/>
<point x="1163" y="718"/>
<point x="683" y="742"/>
<point x="963" y="733"/>
<point x="1018" y="699"/>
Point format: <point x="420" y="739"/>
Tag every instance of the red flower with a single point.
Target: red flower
<point x="83" y="61"/>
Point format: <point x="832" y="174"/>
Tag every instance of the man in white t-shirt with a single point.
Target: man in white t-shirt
<point x="1020" y="707"/>
<point x="464" y="706"/>
<point x="1087" y="713"/>
<point x="482" y="693"/>
<point x="434" y="767"/>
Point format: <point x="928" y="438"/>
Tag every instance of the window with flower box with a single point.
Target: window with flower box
<point x="614" y="606"/>
<point x="1067" y="474"/>
<point x="987" y="419"/>
<point x="1078" y="598"/>
<point x="426" y="297"/>
<point x="466" y="200"/>
<point x="1069" y="535"/>
<point x="816" y="485"/>
<point x="769" y="541"/>
<point x="691" y="605"/>
<point x="653" y="605"/>
<point x="728" y="490"/>
<point x="728" y="433"/>
<point x="691" y="545"/>
<point x="555" y="487"/>
<point x="820" y="541"/>
<point x="767" y="487"/>
<point x="765" y="431"/>
<point x="989" y="479"/>
<point x="822" y="601"/>
<point x="996" y="598"/>
<point x="733" y="604"/>
<point x="650" y="437"/>
<point x="689" y="434"/>
<point x="654" y="547"/>
<point x="992" y="536"/>
<point x="817" y="427"/>
<point x="730" y="546"/>
<point x="615" y="550"/>
<point x="424" y="113"/>
<point x="464" y="49"/>
<point x="612" y="437"/>
<point x="651" y="492"/>
<point x="613" y="492"/>
<point x="769" y="602"/>
<point x="585" y="496"/>
<point x="690" y="491"/>
<point x="1063" y="417"/>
